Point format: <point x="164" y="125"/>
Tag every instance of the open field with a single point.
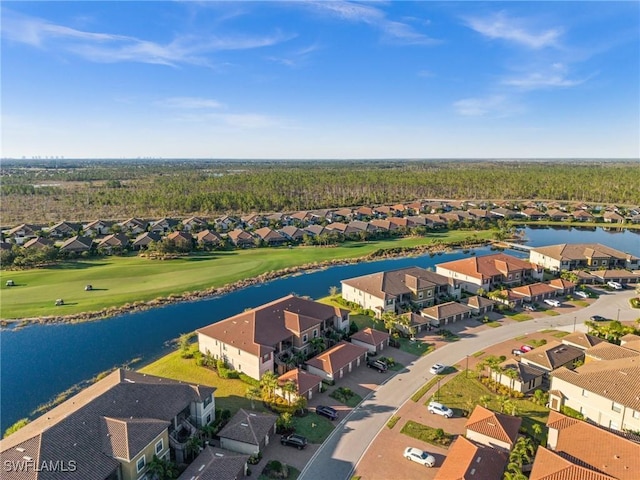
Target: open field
<point x="121" y="280"/>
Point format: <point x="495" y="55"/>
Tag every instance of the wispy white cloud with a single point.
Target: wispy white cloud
<point x="554" y="76"/>
<point x="492" y="105"/>
<point x="392" y="31"/>
<point x="295" y="58"/>
<point x="503" y="27"/>
<point x="190" y="103"/>
<point x="110" y="48"/>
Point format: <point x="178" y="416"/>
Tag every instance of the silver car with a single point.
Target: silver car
<point x="440" y="409"/>
<point x="419" y="456"/>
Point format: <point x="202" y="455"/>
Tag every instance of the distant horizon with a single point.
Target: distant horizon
<point x="391" y="159"/>
<point x="320" y="79"/>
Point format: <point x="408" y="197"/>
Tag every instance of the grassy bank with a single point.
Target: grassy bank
<point x="121" y="280"/>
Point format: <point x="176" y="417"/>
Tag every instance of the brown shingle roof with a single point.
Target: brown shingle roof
<point x="595" y="447"/>
<point x="533" y="290"/>
<point x="469" y="460"/>
<point x="258" y="330"/>
<point x="495" y="425"/>
<point x="579" y="251"/>
<point x="337" y="357"/>
<point x="248" y="427"/>
<point x="552" y="355"/>
<point x="396" y="282"/>
<point x="478" y="302"/>
<point x="216" y="464"/>
<point x="371" y="336"/>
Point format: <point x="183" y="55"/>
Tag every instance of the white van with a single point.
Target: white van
<point x="614" y="285"/>
<point x="552" y="302"/>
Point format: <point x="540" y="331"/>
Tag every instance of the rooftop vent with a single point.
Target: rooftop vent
<point x="20" y="449"/>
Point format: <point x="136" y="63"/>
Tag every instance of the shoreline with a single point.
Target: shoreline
<point x="108" y="312"/>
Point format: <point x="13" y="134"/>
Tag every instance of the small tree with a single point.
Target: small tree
<point x="253" y="393"/>
<point x="333" y="290"/>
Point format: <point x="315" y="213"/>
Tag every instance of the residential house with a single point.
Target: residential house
<point x="581" y="340"/>
<point x="248" y="432"/>
<point x="416" y="323"/>
<point x="279" y="219"/>
<point x="582" y="216"/>
<point x="292" y="233"/>
<point x="315" y="230"/>
<point x="258" y="340"/>
<point x="576" y="256"/>
<point x="343" y="214"/>
<point x="143" y="240"/>
<point x="216" y="464"/>
<point x="208" y="238"/>
<point x="562" y="286"/>
<point x="270" y="237"/>
<point x="416" y="221"/>
<point x="37" y="243"/>
<point x="435" y="221"/>
<point x="400" y="222"/>
<point x="396" y="290"/>
<point x="242" y="239"/>
<point x="609" y="351"/>
<point x="467" y="460"/>
<point x="612" y="217"/>
<point x="505" y="213"/>
<point x="306" y="384"/>
<point x="552" y="356"/>
<point x="96" y="228"/>
<point x="112" y="429"/>
<point x="183" y="239"/>
<point x="194" y="224"/>
<point x="556" y="215"/>
<point x="533" y="214"/>
<point x="342" y="228"/>
<point x="253" y="220"/>
<point x="479" y="305"/>
<point x="578" y="450"/>
<point x="334" y="363"/>
<point x="630" y="341"/>
<point x="64" y="229"/>
<point x="302" y="217"/>
<point x="364" y="213"/>
<point x="225" y="223"/>
<point x="445" y="313"/>
<point x="399" y="209"/>
<point x="361" y="226"/>
<point x="617" y="275"/>
<point x="116" y="241"/>
<point x="605" y="392"/>
<point x="77" y="244"/>
<point x="134" y="226"/>
<point x="496" y="430"/>
<point x="489" y="271"/>
<point x="479" y="213"/>
<point x="163" y="225"/>
<point x="524" y="379"/>
<point x="534" y="292"/>
<point x="373" y="340"/>
<point x="22" y="233"/>
<point x="384" y="225"/>
<point x="383" y="211"/>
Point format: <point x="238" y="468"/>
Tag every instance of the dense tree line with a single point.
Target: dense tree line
<point x="151" y="189"/>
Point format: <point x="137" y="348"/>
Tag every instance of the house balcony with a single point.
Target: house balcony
<point x="179" y="437"/>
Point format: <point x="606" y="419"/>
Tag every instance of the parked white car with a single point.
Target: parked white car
<point x="437" y="368"/>
<point x="581" y="294"/>
<point x="419" y="456"/>
<point x="552" y="302"/>
<point x="440" y="409"/>
<point x="614" y="285"/>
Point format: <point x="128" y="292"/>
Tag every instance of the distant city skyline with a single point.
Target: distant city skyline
<point x="320" y="80"/>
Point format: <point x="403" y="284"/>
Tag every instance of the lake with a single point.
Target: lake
<point x="40" y="361"/>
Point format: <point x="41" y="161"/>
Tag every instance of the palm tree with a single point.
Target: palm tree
<point x="512" y="374"/>
<point x="193" y="447"/>
<point x="390" y="320"/>
<point x="503" y="401"/>
<point x="253" y="393"/>
<point x="268" y="383"/>
<point x="289" y="388"/>
<point x="317" y="344"/>
<point x="484" y="400"/>
<point x="537" y="430"/>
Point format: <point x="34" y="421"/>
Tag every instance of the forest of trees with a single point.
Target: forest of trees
<point x="48" y="191"/>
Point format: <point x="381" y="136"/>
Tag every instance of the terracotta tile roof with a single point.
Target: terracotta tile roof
<point x="337" y="357"/>
<point x="315" y="229"/>
<point x="580" y="251"/>
<point x="577" y="440"/>
<point x="371" y="336"/>
<point x="617" y="380"/>
<point x="304" y="381"/>
<point x="292" y="232"/>
<point x="416" y="319"/>
<point x="132" y="406"/>
<point x="383" y="224"/>
<point x="616" y="274"/>
<point x="487" y="266"/>
<point x="468" y="460"/>
<point x="181" y="236"/>
<point x="396" y="282"/>
<point x="478" y="302"/>
<point x="581" y="340"/>
<point x="248" y="427"/>
<point x="552" y="355"/>
<point x="551" y="466"/>
<point x="208" y="236"/>
<point x="495" y="425"/>
<point x="609" y="351"/>
<point x="216" y="464"/>
<point x="260" y="329"/>
<point x="445" y="310"/>
<point x="533" y="290"/>
<point x="238" y="236"/>
<point x="561" y="283"/>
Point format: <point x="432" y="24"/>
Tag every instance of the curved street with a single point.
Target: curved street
<point x="341" y="452"/>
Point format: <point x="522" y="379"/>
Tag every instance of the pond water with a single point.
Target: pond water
<point x="38" y="362"/>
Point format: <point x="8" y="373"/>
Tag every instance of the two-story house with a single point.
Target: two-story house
<point x="110" y="430"/>
<point x="258" y="340"/>
<point x="575" y="256"/>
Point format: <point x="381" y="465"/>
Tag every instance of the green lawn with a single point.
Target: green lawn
<point x="457" y="391"/>
<point x="427" y="434"/>
<point x="520" y="317"/>
<point x="314" y="427"/>
<point x="230" y="393"/>
<point x="121" y="280"/>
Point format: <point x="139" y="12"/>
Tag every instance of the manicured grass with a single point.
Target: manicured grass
<point x="478" y="354"/>
<point x="426" y="434"/>
<point x="520" y="317"/>
<point x="230" y="393"/>
<point x="392" y="421"/>
<point x="580" y="303"/>
<point x="314" y="427"/>
<point x="417" y="347"/>
<point x="350" y="400"/>
<point x="493" y="324"/>
<point x="551" y="313"/>
<point x="424" y="389"/>
<point x="560" y="334"/>
<point x="457" y="391"/>
<point x="121" y="280"/>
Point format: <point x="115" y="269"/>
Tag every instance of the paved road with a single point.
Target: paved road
<point x="338" y="456"/>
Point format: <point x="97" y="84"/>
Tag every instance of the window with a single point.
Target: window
<point x="616" y="407"/>
<point x="585" y="393"/>
<point x="613" y="425"/>
<point x="429" y="293"/>
<point x="208" y="419"/>
<point x="304" y="338"/>
<point x="510" y="276"/>
<point x="208" y="400"/>
<point x="390" y="301"/>
<point x="517" y="275"/>
<point x="239" y="352"/>
<point x="140" y="464"/>
<point x="315" y="333"/>
<point x="636" y="414"/>
<point x="420" y="295"/>
<point x="159" y="446"/>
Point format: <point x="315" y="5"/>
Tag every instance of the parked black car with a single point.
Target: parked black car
<point x="328" y="412"/>
<point x="294" y="440"/>
<point x="598" y="318"/>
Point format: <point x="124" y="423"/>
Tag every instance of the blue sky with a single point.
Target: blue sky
<point x="320" y="79"/>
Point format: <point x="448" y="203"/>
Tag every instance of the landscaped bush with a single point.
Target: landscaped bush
<point x="248" y="380"/>
<point x="342" y="394"/>
<point x="434" y="436"/>
<point x="255" y="459"/>
<point x="224" y="371"/>
<point x="276" y="469"/>
<point x="635" y="302"/>
<point x="570" y="412"/>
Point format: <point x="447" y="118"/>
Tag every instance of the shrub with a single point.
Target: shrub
<point x="248" y="380"/>
<point x="570" y="412"/>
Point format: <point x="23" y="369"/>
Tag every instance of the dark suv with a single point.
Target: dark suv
<point x="294" y="440"/>
<point x="328" y="412"/>
<point x="377" y="364"/>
